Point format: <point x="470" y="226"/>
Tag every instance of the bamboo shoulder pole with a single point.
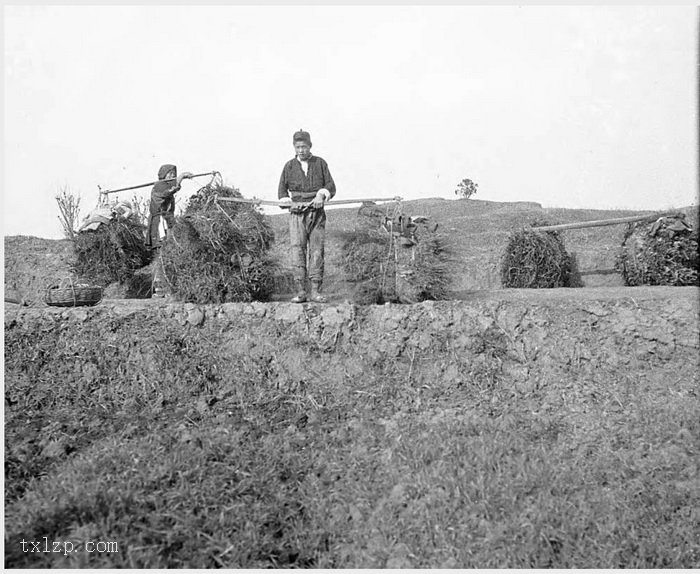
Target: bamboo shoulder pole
<point x="604" y="222"/>
<point x="149" y="184"/>
<point x="287" y="204"/>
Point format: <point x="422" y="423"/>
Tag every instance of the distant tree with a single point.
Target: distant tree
<point x="69" y="211"/>
<point x="466" y="188"/>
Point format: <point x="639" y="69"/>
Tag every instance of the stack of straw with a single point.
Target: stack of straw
<point x="112" y="252"/>
<point x="664" y="252"/>
<point x="389" y="258"/>
<point x="535" y="260"/>
<point x="217" y="252"/>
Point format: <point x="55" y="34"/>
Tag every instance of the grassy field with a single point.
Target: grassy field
<point x="518" y="429"/>
<point x="476" y="230"/>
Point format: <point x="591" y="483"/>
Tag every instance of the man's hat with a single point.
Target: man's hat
<point x="302" y="136"/>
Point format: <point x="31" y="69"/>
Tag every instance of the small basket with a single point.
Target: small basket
<point x="67" y="294"/>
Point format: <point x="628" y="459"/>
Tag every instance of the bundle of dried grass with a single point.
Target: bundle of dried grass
<point x="664" y="252"/>
<point x="536" y="260"/>
<point x="365" y="254"/>
<point x="390" y="258"/>
<point x="425" y="269"/>
<point x="112" y="252"/>
<point x="217" y="252"/>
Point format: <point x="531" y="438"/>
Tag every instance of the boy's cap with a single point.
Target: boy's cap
<point x="302" y="136"/>
<point x="164" y="169"/>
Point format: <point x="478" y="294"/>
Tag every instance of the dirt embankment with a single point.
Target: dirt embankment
<point x="32" y="264"/>
<point x="532" y="335"/>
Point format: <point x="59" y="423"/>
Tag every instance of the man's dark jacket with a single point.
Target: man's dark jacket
<point x="303" y="188"/>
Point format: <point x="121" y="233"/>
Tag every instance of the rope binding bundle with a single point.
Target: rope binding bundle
<point x="65" y="293"/>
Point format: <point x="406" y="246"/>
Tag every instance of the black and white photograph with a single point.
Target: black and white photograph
<point x="351" y="286"/>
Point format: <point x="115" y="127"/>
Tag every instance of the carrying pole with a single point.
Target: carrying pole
<point x="604" y="222"/>
<point x="106" y="192"/>
<point x="256" y="201"/>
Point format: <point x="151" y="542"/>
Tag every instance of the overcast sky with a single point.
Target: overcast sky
<point x="567" y="106"/>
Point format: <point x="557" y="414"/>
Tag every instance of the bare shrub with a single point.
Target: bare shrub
<point x="69" y="211"/>
<point x="140" y="205"/>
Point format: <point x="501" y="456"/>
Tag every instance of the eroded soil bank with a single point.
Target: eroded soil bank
<point x="553" y="428"/>
<point x="536" y="335"/>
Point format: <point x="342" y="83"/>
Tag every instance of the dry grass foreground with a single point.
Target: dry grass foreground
<point x="522" y="428"/>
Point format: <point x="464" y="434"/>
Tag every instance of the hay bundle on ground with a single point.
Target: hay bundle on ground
<point x="664" y="252"/>
<point x="392" y="259"/>
<point x="217" y="252"/>
<point x="112" y="252"/>
<point x="424" y="269"/>
<point x="535" y="259"/>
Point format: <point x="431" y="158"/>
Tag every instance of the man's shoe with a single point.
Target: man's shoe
<point x="316" y="296"/>
<point x="300" y="298"/>
<point x="159" y="293"/>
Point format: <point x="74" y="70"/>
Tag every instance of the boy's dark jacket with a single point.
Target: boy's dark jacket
<point x="163" y="192"/>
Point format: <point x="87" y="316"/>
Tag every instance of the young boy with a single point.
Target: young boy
<point x="162" y="209"/>
<point x="163" y="202"/>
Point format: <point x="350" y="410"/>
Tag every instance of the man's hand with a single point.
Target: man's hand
<point x="286" y="201"/>
<point x="322" y="195"/>
<point x="318" y="201"/>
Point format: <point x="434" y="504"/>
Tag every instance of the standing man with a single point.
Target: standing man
<point x="306" y="184"/>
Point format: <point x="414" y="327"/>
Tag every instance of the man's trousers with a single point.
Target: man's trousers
<point x="307" y="231"/>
